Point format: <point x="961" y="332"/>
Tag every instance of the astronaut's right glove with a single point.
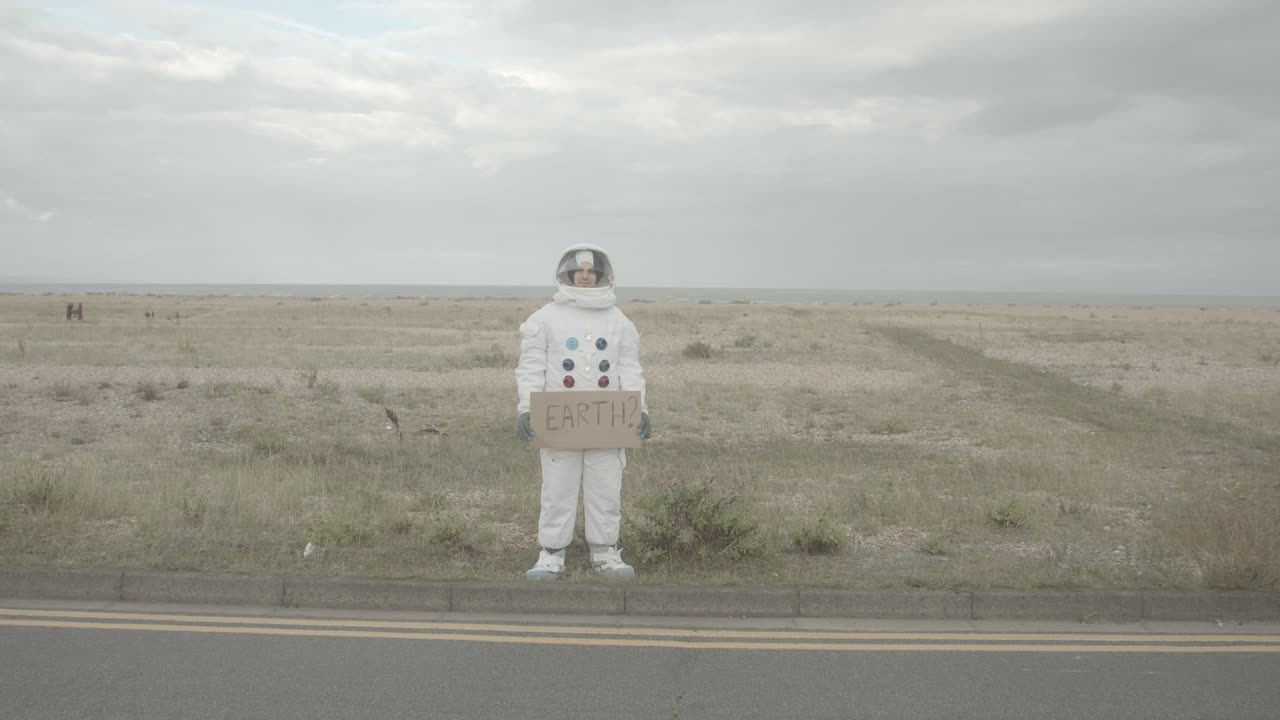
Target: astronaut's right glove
<point x="524" y="427"/>
<point x="644" y="428"/>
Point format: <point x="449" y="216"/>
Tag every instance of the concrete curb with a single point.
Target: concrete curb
<point x="1082" y="605"/>
<point x="624" y="599"/>
<point x="364" y="594"/>
<point x="886" y="604"/>
<point x="210" y="588"/>
<point x="538" y="598"/>
<point x="705" y="601"/>
<point x="52" y="583"/>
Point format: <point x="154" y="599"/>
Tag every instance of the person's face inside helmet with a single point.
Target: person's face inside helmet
<point x="584" y="278"/>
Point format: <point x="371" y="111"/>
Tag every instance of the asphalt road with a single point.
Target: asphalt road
<point x="57" y="661"/>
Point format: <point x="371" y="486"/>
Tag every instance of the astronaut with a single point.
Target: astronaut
<point x="580" y="341"/>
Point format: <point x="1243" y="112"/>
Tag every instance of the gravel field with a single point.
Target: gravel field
<point x="946" y="445"/>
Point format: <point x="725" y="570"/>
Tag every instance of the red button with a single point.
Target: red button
<point x="604" y="381"/>
<point x="568" y="381"/>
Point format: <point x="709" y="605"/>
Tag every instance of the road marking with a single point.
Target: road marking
<point x="652" y="643"/>
<point x="647" y="632"/>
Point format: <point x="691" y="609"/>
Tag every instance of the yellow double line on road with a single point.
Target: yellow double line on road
<point x="634" y="637"/>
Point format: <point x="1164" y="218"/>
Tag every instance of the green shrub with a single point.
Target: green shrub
<point x="699" y="350"/>
<point x="495" y="358"/>
<point x="695" y="521"/>
<point x="376" y="395"/>
<point x="1011" y="514"/>
<point x="40" y="493"/>
<point x="148" y="391"/>
<point x="934" y="545"/>
<point x="193" y="509"/>
<point x="448" y="532"/>
<point x="823" y="537"/>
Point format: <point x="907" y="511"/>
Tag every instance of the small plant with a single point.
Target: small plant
<point x="699" y="350"/>
<point x="745" y="341"/>
<point x="401" y="525"/>
<point x="696" y="521"/>
<point x="193" y="510"/>
<point x="22" y="349"/>
<point x="218" y="390"/>
<point x="64" y="391"/>
<point x="1073" y="508"/>
<point x="148" y="391"/>
<point x="450" y="532"/>
<point x="309" y="377"/>
<point x="1010" y="514"/>
<point x="823" y="537"/>
<point x="889" y="426"/>
<point x="183" y="384"/>
<point x="375" y="395"/>
<point x="934" y="545"/>
<point x="491" y="359"/>
<point x="266" y="444"/>
<point x="38" y="493"/>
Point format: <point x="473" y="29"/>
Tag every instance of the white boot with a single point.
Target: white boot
<point x="550" y="566"/>
<point x="606" y="560"/>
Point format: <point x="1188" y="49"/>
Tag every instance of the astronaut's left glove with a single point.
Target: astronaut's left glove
<point x="524" y="427"/>
<point x="645" y="428"/>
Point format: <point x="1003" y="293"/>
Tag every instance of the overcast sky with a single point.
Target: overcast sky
<point x="1049" y="145"/>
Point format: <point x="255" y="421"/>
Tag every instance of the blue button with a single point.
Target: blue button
<point x="604" y="366"/>
<point x="567" y="364"/>
<point x="571" y="343"/>
<point x="602" y="344"/>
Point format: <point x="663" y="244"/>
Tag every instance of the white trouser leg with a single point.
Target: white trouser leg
<point x="561" y="478"/>
<point x="602" y="494"/>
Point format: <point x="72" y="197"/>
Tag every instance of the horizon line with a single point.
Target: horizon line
<point x="630" y="288"/>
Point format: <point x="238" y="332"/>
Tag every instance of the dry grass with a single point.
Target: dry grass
<point x="871" y="445"/>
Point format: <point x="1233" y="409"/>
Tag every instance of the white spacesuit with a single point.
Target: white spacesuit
<point x="580" y="341"/>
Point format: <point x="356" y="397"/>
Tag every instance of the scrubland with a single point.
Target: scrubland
<point x="850" y="445"/>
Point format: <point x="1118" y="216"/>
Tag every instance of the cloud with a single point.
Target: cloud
<point x="305" y="141"/>
<point x="15" y="207"/>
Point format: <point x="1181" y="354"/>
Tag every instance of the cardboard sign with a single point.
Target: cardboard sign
<point x="583" y="420"/>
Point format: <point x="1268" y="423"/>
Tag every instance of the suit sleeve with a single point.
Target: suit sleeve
<point x="630" y="372"/>
<point x="531" y="372"/>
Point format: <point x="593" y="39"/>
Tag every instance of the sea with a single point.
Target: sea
<point x="810" y="296"/>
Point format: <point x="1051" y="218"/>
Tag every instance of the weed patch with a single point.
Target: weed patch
<point x="822" y="537"/>
<point x="375" y="395"/>
<point x="699" y="350"/>
<point x="687" y="521"/>
<point x="148" y="391"/>
<point x="39" y="493"/>
<point x="935" y="546"/>
<point x="1010" y="514"/>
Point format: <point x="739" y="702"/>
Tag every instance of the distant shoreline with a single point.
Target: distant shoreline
<point x="656" y="294"/>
